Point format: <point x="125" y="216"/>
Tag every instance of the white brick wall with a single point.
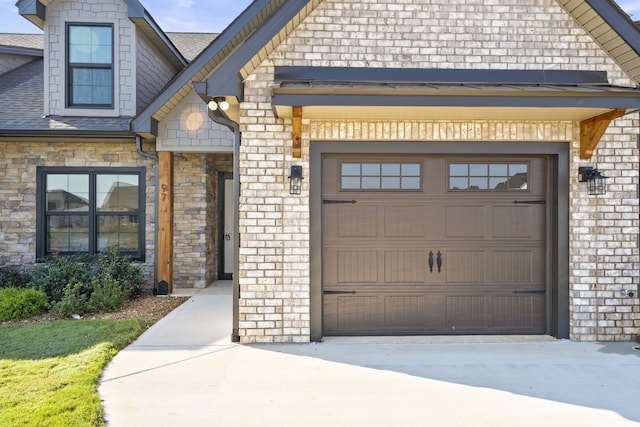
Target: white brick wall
<point x="516" y="34"/>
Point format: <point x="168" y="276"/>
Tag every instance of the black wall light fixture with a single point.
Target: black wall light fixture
<point x="596" y="182"/>
<point x="295" y="180"/>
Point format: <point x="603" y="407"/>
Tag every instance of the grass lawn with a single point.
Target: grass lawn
<point x="49" y="371"/>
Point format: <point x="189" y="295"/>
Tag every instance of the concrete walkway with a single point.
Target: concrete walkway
<point x="184" y="371"/>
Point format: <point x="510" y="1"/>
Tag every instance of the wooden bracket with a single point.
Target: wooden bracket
<point x="591" y="130"/>
<point x="297" y="131"/>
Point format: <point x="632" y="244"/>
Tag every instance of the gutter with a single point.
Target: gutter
<point x="153" y="157"/>
<point x="222" y="119"/>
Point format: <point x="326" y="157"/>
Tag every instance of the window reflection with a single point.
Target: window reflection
<point x="67" y="193"/>
<point x="488" y="176"/>
<point x="117" y="192"/>
<point x="381" y="176"/>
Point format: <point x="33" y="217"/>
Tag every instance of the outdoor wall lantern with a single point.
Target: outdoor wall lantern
<point x="596" y="184"/>
<point x="295" y="180"/>
<point x="218" y="102"/>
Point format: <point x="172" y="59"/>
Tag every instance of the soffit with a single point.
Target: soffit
<point x="376" y="113"/>
<point x="611" y="28"/>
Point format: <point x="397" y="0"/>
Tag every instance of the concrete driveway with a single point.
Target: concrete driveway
<point x="184" y="371"/>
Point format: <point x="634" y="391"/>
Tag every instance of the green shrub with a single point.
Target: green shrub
<point x="55" y="273"/>
<point x="126" y="272"/>
<point x="13" y="277"/>
<point x="82" y="284"/>
<point x="20" y="303"/>
<point x="107" y="295"/>
<point x="75" y="300"/>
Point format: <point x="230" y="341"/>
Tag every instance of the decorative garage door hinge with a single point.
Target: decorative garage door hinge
<point x="339" y="292"/>
<point x="529" y="202"/>
<point x="333" y="202"/>
<point x="530" y="292"/>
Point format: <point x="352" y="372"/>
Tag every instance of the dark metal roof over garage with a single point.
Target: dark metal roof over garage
<point x="537" y="94"/>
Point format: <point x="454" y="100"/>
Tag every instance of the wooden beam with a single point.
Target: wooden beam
<point x="164" y="251"/>
<point x="297" y="132"/>
<point x="591" y="131"/>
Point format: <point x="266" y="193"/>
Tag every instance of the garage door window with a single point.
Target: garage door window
<point x="381" y="176"/>
<point x="488" y="176"/>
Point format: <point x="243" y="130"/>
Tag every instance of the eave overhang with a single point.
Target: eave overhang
<point x="401" y="94"/>
<point x="64" y="135"/>
<point x="446" y="94"/>
<point x="32" y="10"/>
<point x="22" y="51"/>
<point x="611" y="28"/>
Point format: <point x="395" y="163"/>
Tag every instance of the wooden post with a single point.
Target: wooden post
<point x="164" y="251"/>
<point x="297" y="132"/>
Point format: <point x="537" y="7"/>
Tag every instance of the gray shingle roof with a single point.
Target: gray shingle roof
<point x="26" y="84"/>
<point x="191" y="44"/>
<point x="23" y="90"/>
<point x="29" y="41"/>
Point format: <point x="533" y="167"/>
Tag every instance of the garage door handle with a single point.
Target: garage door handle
<point x="339" y="292"/>
<point x="438" y="261"/>
<point x="530" y="292"/>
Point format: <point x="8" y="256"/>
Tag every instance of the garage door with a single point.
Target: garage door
<point x="434" y="245"/>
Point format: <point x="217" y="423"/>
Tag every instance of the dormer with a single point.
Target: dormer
<point x="106" y="58"/>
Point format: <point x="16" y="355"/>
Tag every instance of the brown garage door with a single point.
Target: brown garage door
<point x="434" y="245"/>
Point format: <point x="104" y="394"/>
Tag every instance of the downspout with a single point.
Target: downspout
<point x="221" y="119"/>
<point x="153" y="157"/>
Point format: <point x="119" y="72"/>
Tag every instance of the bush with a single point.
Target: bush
<point x="127" y="273"/>
<point x="20" y="303"/>
<point x="107" y="296"/>
<point x="13" y="277"/>
<point x="55" y="273"/>
<point x="83" y="284"/>
<point x="75" y="300"/>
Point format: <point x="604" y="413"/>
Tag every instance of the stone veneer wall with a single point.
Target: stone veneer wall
<point x="274" y="226"/>
<point x="195" y="217"/>
<point x="18" y="190"/>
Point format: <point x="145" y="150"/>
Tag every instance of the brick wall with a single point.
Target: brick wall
<point x="523" y="34"/>
<point x="195" y="217"/>
<point x="18" y="190"/>
<point x="604" y="233"/>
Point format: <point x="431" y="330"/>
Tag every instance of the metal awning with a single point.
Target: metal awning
<point x="364" y="93"/>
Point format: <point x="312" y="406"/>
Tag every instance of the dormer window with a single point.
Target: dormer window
<point x="90" y="65"/>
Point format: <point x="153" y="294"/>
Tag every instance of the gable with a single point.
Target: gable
<point x="526" y="35"/>
<point x="436" y="34"/>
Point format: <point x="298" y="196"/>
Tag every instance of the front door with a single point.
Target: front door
<point x="434" y="245"/>
<point x="227" y="237"/>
